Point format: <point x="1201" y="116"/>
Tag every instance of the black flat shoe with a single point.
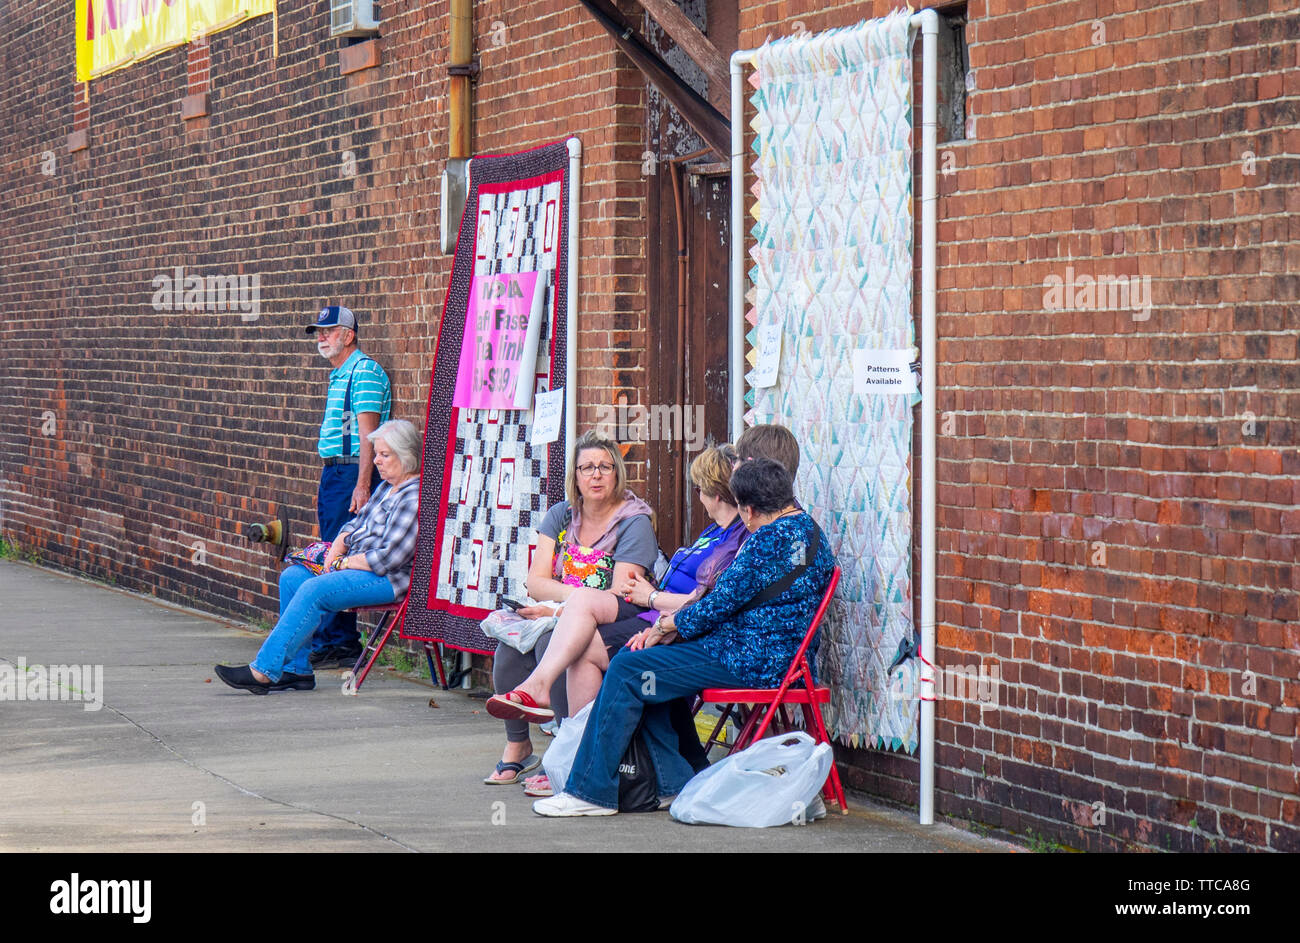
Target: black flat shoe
<point x="292" y="682"/>
<point x="241" y="677"/>
<point x="336" y="656"/>
<point x="319" y="657"/>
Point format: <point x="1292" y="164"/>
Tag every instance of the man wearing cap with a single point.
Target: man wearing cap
<point x="357" y="400"/>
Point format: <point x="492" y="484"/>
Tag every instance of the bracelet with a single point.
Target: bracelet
<point x="650" y="600"/>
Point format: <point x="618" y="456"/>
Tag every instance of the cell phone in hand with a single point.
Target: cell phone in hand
<point x="511" y="603"/>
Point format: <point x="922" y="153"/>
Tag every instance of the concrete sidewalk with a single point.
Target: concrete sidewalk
<point x="176" y="761"/>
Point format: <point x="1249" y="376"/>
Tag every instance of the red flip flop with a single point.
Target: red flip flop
<point x="525" y="708"/>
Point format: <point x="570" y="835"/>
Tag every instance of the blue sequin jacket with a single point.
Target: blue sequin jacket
<point x="757" y="644"/>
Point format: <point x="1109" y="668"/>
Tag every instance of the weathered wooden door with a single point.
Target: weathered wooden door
<point x="688" y="217"/>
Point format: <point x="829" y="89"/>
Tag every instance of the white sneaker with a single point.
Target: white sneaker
<point x="563" y="804"/>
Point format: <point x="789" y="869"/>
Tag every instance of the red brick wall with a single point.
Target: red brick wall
<point x="1117" y="497"/>
<point x="137" y="442"/>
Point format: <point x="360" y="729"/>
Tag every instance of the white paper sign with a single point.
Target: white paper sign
<point x="548" y="407"/>
<point x="768" y="362"/>
<point x="883" y="373"/>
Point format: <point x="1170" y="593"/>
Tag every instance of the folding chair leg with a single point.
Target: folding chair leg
<point x="717" y="730"/>
<point x="786" y="726"/>
<point x="436" y="669"/>
<point x="746" y="735"/>
<point x="372" y="647"/>
<point x="834" y="779"/>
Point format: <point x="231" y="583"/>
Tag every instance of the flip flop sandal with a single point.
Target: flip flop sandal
<point x="539" y="786"/>
<point x="527" y="766"/>
<point x="502" y="707"/>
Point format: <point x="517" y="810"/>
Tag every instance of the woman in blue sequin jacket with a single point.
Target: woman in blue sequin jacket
<point x="741" y="634"/>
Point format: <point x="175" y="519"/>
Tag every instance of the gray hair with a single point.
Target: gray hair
<point x="404" y="439"/>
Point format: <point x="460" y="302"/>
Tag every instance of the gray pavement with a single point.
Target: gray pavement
<point x="176" y="761"/>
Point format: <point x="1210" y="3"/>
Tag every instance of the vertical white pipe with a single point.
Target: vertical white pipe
<point x="928" y="21"/>
<point x="736" y="342"/>
<point x="571" y="315"/>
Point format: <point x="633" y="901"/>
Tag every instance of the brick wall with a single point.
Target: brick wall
<point x="136" y="442"/>
<point x="1117" y="491"/>
<point x="1117" y="494"/>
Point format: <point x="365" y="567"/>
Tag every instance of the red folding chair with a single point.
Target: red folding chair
<point x="379" y="638"/>
<point x="808" y="697"/>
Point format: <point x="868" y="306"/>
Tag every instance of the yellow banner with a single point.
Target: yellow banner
<point x="113" y="34"/>
<point x="210" y="16"/>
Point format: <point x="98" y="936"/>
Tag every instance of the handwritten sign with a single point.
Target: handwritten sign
<point x="883" y="373"/>
<point x="768" y="362"/>
<point x="548" y="407"/>
<point x="498" y="352"/>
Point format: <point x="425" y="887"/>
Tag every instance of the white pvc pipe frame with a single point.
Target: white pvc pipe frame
<point x="928" y="23"/>
<point x="571" y="312"/>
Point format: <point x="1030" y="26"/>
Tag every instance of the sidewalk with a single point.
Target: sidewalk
<point x="176" y="761"/>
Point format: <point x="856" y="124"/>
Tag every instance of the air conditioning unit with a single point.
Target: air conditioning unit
<point x="353" y="18"/>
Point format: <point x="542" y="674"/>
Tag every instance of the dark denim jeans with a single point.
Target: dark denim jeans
<point x="638" y="689"/>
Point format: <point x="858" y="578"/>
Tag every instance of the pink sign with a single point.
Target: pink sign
<point x="495" y="351"/>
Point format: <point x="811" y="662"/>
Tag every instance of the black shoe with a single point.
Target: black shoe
<point x="335" y="656"/>
<point x="292" y="682"/>
<point x="319" y="657"/>
<point x="241" y="677"/>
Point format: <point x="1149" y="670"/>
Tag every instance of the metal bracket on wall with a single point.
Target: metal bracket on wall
<point x="455" y="193"/>
<point x="471" y="70"/>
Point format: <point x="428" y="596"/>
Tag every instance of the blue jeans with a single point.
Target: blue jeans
<point x="333" y="497"/>
<point x="304" y="601"/>
<point x="638" y="689"/>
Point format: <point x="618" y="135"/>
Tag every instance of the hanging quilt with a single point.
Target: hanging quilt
<point x="832" y="273"/>
<point x="483" y="487"/>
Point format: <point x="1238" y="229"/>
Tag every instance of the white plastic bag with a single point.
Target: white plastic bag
<point x="772" y="782"/>
<point x="519" y="633"/>
<point x="558" y="758"/>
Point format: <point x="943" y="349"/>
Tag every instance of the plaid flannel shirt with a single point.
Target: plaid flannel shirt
<point x="385" y="531"/>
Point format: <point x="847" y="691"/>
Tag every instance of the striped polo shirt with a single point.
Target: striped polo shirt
<point x="370" y="394"/>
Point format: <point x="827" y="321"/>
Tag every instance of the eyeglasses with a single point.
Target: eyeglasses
<point x="586" y="471"/>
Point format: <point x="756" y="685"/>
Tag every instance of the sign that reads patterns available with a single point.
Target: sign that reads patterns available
<point x="883" y="373"/>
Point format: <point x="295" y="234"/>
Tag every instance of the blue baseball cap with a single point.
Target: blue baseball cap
<point x="334" y="315"/>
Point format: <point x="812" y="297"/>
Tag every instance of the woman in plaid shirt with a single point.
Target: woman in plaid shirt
<point x="369" y="564"/>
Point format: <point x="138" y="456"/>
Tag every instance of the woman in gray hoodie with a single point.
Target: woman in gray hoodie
<point x="587" y="544"/>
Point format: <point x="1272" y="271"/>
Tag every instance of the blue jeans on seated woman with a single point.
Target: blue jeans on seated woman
<point x="637" y="690"/>
<point x="306" y="600"/>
